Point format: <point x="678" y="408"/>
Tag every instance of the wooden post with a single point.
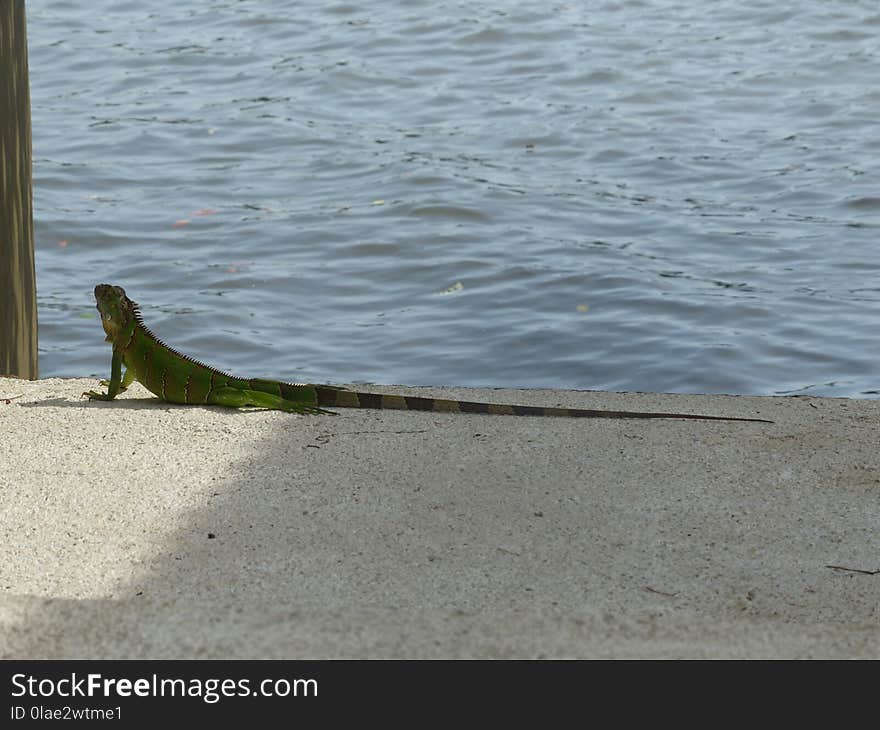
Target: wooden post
<point x="18" y="292"/>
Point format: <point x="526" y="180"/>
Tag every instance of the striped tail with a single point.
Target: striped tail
<point x="337" y="398"/>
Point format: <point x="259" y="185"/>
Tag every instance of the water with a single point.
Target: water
<point x="652" y="196"/>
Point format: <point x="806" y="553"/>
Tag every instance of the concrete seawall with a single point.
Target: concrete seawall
<point x="139" y="529"/>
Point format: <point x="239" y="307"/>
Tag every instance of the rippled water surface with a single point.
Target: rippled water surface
<point x="648" y="195"/>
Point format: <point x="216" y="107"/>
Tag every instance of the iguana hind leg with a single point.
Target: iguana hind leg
<point x="235" y="398"/>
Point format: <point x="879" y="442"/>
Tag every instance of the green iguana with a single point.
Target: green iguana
<point x="177" y="378"/>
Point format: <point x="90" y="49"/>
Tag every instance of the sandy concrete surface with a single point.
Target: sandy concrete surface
<point x="136" y="529"/>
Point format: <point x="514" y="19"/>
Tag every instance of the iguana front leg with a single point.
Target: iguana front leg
<point x="116" y="382"/>
<point x="127" y="379"/>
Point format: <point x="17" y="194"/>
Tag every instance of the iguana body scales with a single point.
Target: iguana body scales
<point x="178" y="378"/>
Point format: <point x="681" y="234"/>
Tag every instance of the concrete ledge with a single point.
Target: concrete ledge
<point x="142" y="530"/>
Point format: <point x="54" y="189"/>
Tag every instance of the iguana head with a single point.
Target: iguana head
<point x="117" y="310"/>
